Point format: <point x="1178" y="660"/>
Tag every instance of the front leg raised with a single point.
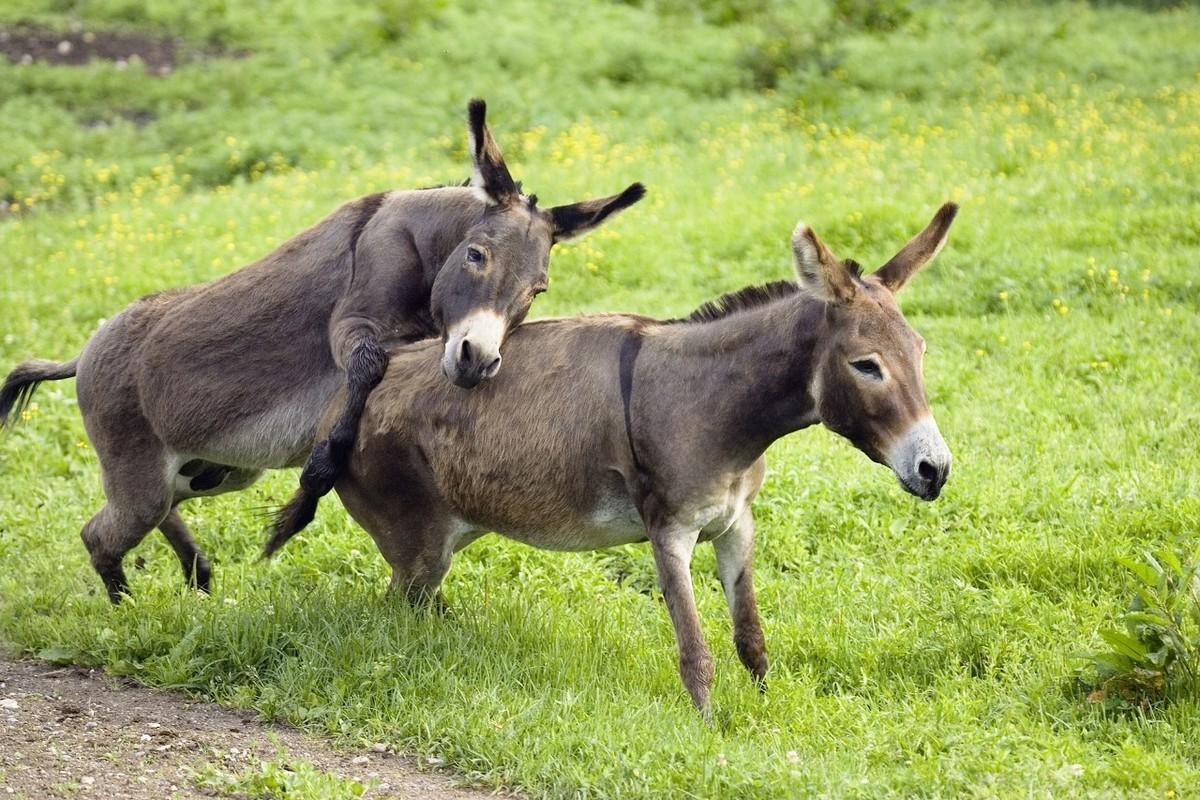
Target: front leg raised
<point x="365" y="362"/>
<point x="673" y="556"/>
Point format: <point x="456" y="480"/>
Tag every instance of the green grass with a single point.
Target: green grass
<point x="916" y="649"/>
<point x="280" y="777"/>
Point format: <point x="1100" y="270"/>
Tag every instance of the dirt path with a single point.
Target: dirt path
<point x="79" y="733"/>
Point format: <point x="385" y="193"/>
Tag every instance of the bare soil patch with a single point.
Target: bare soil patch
<point x="80" y="733"/>
<point x="25" y="45"/>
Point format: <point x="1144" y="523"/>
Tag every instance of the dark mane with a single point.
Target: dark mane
<point x="467" y="182"/>
<point x="741" y="300"/>
<point x="531" y="200"/>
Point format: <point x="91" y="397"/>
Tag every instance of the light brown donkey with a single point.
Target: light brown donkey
<point x="616" y="428"/>
<point x="196" y="391"/>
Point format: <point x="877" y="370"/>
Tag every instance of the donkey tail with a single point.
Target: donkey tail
<point x="292" y="518"/>
<point x="327" y="462"/>
<point x="21" y="383"/>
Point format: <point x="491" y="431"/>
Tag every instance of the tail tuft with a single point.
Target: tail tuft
<point x="291" y="519"/>
<point x="23" y="381"/>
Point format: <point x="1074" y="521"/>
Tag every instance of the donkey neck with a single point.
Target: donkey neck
<point x="747" y="376"/>
<point x="438" y="221"/>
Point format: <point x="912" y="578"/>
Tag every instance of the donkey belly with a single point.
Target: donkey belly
<point x="239" y="372"/>
<point x="608" y="518"/>
<point x="280" y="436"/>
<point x="586" y="536"/>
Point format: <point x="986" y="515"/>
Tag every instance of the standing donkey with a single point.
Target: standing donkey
<point x="196" y="391"/>
<point x="615" y="428"/>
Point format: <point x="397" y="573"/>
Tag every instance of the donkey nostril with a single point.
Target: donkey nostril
<point x="927" y="471"/>
<point x="492" y="368"/>
<point x="465" y="352"/>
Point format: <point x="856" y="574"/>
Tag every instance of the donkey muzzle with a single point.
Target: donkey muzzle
<point x="921" y="459"/>
<point x="472" y="350"/>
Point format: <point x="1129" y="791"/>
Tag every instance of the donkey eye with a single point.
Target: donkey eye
<point x="866" y="366"/>
<point x="474" y="255"/>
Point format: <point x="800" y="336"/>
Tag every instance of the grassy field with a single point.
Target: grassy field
<point x="916" y="649"/>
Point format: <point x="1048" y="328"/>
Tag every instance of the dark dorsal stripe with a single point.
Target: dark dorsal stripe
<point x="630" y="347"/>
<point x="741" y="300"/>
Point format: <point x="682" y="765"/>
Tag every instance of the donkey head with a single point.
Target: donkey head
<point x="867" y="380"/>
<point x="489" y="281"/>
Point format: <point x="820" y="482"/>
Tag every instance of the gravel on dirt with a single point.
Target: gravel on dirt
<point x="80" y="733"/>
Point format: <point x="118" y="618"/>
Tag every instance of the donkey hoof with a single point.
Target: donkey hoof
<point x="115" y="583"/>
<point x="117" y="594"/>
<point x="201" y="579"/>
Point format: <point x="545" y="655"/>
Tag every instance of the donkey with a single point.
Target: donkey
<point x="616" y="428"/>
<point x="196" y="391"/>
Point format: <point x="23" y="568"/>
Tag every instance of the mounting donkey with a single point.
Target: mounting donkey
<point x="196" y="391"/>
<point x="616" y="428"/>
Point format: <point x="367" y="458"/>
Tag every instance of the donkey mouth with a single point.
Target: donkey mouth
<point x="927" y="492"/>
<point x="926" y="487"/>
<point x="470" y="377"/>
<point x="465" y="381"/>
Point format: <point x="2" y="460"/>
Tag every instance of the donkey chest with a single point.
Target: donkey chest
<point x="715" y="511"/>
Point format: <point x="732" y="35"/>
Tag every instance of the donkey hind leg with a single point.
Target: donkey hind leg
<point x="417" y="541"/>
<point x="735" y="550"/>
<point x="418" y="572"/>
<point x="120" y="526"/>
<point x="196" y="569"/>
<point x="200" y="478"/>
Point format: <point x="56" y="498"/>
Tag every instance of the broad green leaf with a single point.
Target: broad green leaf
<point x="59" y="655"/>
<point x="1151" y="616"/>
<point x="1111" y="663"/>
<point x="1169" y="558"/>
<point x="1144" y="573"/>
<point x="1124" y="644"/>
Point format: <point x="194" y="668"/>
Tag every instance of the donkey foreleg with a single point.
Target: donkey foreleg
<point x="672" y="557"/>
<point x="365" y="364"/>
<point x="735" y="550"/>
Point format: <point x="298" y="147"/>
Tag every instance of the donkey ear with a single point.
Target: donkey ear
<point x="819" y="270"/>
<point x="489" y="171"/>
<point x="579" y="218"/>
<point x="919" y="251"/>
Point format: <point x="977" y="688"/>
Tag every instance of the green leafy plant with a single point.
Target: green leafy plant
<point x="1157" y="649"/>
<point x="282" y="777"/>
<point x="876" y="16"/>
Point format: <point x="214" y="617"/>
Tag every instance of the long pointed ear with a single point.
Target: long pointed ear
<point x="577" y="219"/>
<point x="919" y="251"/>
<point x="489" y="171"/>
<point x="818" y="269"/>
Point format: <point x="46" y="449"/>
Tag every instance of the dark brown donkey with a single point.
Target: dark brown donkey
<point x="196" y="391"/>
<point x="616" y="428"/>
